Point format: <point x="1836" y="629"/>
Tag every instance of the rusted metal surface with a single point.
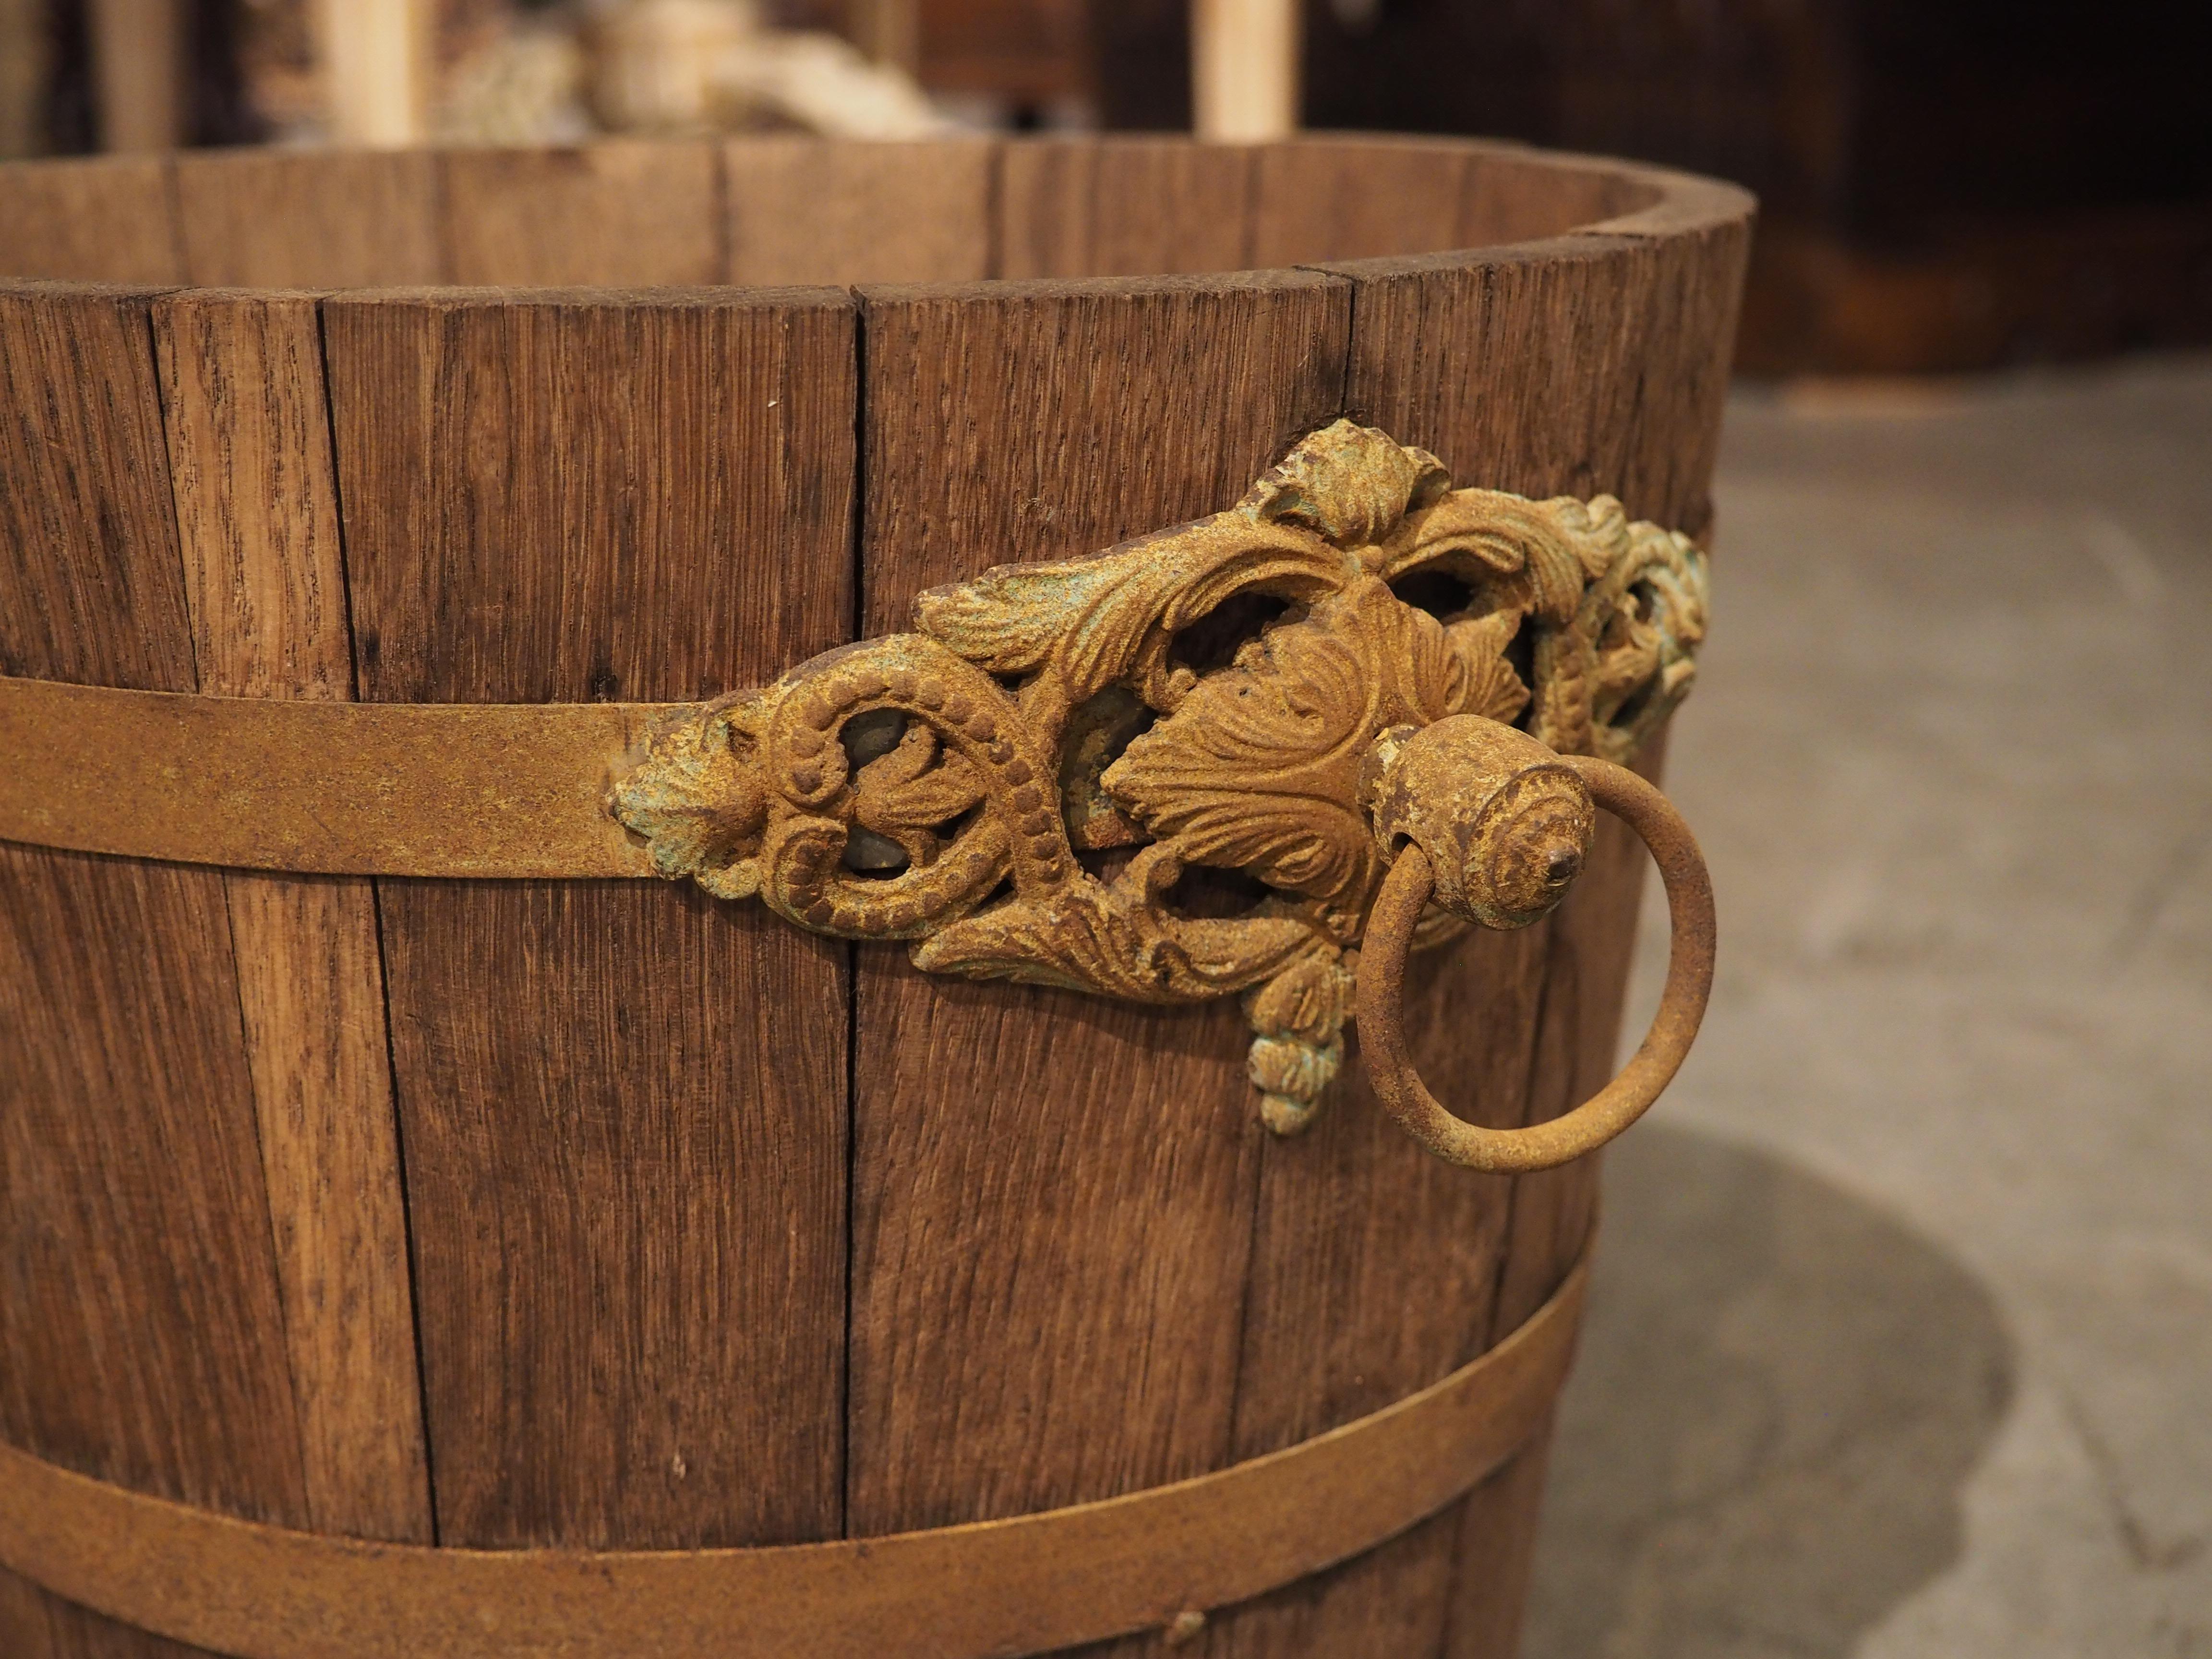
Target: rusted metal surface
<point x="1157" y="1559"/>
<point x="1218" y="696"/>
<point x="502" y="790"/>
<point x="1503" y="853"/>
<point x="1175" y="771"/>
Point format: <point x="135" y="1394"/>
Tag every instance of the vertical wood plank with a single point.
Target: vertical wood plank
<point x="1357" y="198"/>
<point x="1166" y="206"/>
<point x="96" y="220"/>
<point x="248" y="437"/>
<point x="1047" y="192"/>
<point x="1514" y="198"/>
<point x="1624" y="397"/>
<point x="1593" y="364"/>
<point x="141" y="1337"/>
<point x="93" y="588"/>
<point x="844" y="211"/>
<point x="1496" y="1549"/>
<point x="621" y="212"/>
<point x="1040" y="1318"/>
<point x="1124" y="206"/>
<point x="312" y="219"/>
<point x="622" y="1104"/>
<point x="139" y="67"/>
<point x="1585" y="982"/>
<point x="1374" y="1269"/>
<point x="35" y="1624"/>
<point x="257" y="514"/>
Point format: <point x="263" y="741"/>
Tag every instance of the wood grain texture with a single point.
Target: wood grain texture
<point x="1357" y="198"/>
<point x="1593" y="363"/>
<point x="1053" y="1194"/>
<point x="141" y="1335"/>
<point x="622" y="1104"/>
<point x="35" y="1624"/>
<point x="821" y="210"/>
<point x="309" y="219"/>
<point x="1124" y="206"/>
<point x="1626" y="398"/>
<point x="1040" y="1319"/>
<point x="91" y="587"/>
<point x="106" y="219"/>
<point x="1385" y="1604"/>
<point x="1362" y="1234"/>
<point x="257" y="515"/>
<point x="620" y="212"/>
<point x="1375" y="1271"/>
<point x="1496" y="1551"/>
<point x="1077" y="1266"/>
<point x="595" y="495"/>
<point x="1046" y="187"/>
<point x="1585" y="981"/>
<point x="623" y="1114"/>
<point x="247" y="424"/>
<point x="1525" y="196"/>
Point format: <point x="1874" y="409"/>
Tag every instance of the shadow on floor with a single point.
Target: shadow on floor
<point x="1780" y="1393"/>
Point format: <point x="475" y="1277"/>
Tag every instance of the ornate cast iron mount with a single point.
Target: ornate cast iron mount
<point x="1181" y="769"/>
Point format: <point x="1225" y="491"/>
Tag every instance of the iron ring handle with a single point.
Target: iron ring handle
<point x="1407" y="888"/>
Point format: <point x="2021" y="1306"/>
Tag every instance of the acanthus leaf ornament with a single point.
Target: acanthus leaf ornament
<point x="947" y="785"/>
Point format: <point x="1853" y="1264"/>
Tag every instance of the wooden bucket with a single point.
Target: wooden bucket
<point x="546" y="1216"/>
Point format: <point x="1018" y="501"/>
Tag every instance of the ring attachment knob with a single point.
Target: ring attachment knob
<point x="1492" y="826"/>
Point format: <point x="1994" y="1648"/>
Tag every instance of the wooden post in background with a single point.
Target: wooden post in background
<point x="375" y="57"/>
<point x="889" y="31"/>
<point x="23" y="70"/>
<point x="137" y="69"/>
<point x="1244" y="69"/>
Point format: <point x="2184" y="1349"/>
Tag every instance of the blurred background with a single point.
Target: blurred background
<point x="1901" y="1341"/>
<point x="1948" y="185"/>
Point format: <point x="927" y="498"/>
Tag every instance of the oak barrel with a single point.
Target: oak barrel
<point x="605" y="1214"/>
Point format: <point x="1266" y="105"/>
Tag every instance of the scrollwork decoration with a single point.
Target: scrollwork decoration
<point x="1022" y="785"/>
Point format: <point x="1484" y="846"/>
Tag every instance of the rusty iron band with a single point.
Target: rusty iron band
<point x="330" y="788"/>
<point x="1016" y="787"/>
<point x="1028" y="1584"/>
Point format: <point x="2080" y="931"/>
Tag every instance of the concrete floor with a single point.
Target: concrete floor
<point x="1901" y="1345"/>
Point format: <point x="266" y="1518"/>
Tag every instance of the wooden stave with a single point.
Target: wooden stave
<point x="1448" y="1582"/>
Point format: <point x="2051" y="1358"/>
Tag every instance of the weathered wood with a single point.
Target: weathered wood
<point x="1123" y="206"/>
<point x="1077" y="1265"/>
<point x="813" y="210"/>
<point x="1046" y="187"/>
<point x="106" y="219"/>
<point x="1357" y="198"/>
<point x="141" y="1339"/>
<point x="257" y="514"/>
<point x="1522" y="196"/>
<point x="1625" y="399"/>
<point x="622" y="212"/>
<point x="622" y="1105"/>
<point x="91" y="587"/>
<point x="1495" y="1550"/>
<point x="309" y="219"/>
<point x="1166" y="206"/>
<point x="1012" y="1289"/>
<point x="37" y="1624"/>
<point x="1375" y="1272"/>
<point x="1585" y="982"/>
<point x="1628" y="401"/>
<point x="250" y="472"/>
